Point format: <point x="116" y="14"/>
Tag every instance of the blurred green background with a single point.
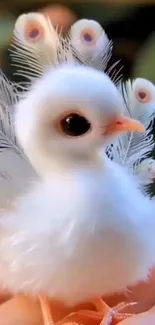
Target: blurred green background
<point x="129" y="23"/>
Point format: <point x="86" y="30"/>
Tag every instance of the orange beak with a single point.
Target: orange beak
<point x="124" y="124"/>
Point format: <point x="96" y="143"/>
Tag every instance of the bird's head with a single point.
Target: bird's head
<point x="68" y="114"/>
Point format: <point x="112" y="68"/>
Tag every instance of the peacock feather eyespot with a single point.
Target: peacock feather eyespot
<point x="88" y="36"/>
<point x="143" y="95"/>
<point x="34" y="31"/>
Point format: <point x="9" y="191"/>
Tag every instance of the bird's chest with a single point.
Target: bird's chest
<point x="68" y="227"/>
<point x="89" y="206"/>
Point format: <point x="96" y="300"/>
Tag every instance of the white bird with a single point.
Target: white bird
<point x="82" y="197"/>
<point x="87" y="42"/>
<point x="69" y="235"/>
<point x="131" y="148"/>
<point x="42" y="49"/>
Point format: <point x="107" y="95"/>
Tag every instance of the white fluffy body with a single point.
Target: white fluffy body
<point x="85" y="229"/>
<point x="79" y="236"/>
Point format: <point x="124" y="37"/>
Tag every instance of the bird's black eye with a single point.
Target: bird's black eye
<point x="75" y="125"/>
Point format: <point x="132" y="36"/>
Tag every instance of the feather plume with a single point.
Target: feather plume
<point x="35" y="46"/>
<point x="90" y="43"/>
<point x="15" y="169"/>
<point x="91" y="46"/>
<point x="132" y="148"/>
<point x="145" y="171"/>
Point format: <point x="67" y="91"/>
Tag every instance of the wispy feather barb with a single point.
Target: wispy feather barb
<point x="132" y="148"/>
<point x="15" y="169"/>
<point x="31" y="57"/>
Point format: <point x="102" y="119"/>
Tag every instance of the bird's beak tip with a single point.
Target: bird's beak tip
<point x="129" y="124"/>
<point x="125" y="124"/>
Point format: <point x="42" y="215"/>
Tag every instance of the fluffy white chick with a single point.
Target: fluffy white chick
<point x="77" y="234"/>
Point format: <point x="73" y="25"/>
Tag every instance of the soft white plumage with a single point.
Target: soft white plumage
<point x="36" y="44"/>
<point x="145" y="171"/>
<point x="15" y="170"/>
<point x="33" y="56"/>
<point x="131" y="148"/>
<point x="78" y="233"/>
<point x="92" y="47"/>
<point x="90" y="43"/>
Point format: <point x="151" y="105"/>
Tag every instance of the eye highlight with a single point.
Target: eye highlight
<point x="34" y="31"/>
<point x="74" y="125"/>
<point x="143" y="95"/>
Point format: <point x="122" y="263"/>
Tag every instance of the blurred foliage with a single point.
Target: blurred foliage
<point x="144" y="65"/>
<point x="6" y="25"/>
<point x="103" y="13"/>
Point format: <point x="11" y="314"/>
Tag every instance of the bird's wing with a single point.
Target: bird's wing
<point x="133" y="149"/>
<point x="15" y="169"/>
